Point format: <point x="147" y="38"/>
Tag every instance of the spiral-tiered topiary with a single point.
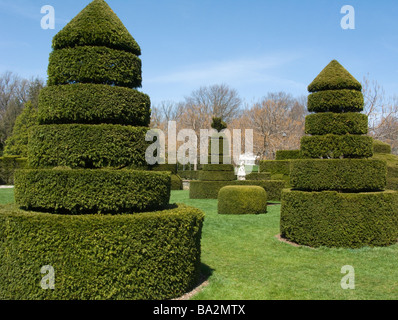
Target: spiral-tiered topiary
<point x="337" y="197"/>
<point x="92" y="117"/>
<point x="91" y="211"/>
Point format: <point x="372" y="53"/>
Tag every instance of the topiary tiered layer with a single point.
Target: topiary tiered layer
<point x="337" y="197"/>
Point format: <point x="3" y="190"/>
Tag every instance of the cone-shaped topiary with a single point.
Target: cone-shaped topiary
<point x="338" y="202"/>
<point x="96" y="25"/>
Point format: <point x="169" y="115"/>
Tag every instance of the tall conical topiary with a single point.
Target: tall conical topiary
<point x="97" y="239"/>
<point x="337" y="196"/>
<point x="93" y="120"/>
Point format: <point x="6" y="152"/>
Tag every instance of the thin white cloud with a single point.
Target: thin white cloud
<point x="248" y="70"/>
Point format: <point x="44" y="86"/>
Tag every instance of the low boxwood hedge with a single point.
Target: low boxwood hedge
<point x="336" y="101"/>
<point x="218" y="167"/>
<point x="259" y="176"/>
<point x="8" y="165"/>
<point x="242" y="200"/>
<point x="336" y="146"/>
<point x="338" y="174"/>
<point x="381" y="147"/>
<point x="176" y="182"/>
<point x="94" y="65"/>
<point x="93" y="104"/>
<point x="392" y="184"/>
<point x="217" y="175"/>
<point x="275" y="166"/>
<point x="85" y="191"/>
<point x="87" y="146"/>
<point x="288" y="154"/>
<point x="210" y="189"/>
<point x="335" y="219"/>
<point x="189" y="174"/>
<point x="336" y="123"/>
<point x="147" y="256"/>
<point x="165" y="167"/>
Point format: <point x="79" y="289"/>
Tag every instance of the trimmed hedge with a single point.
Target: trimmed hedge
<point x="8" y="165"/>
<point x="94" y="65"/>
<point x="336" y="123"/>
<point x="334" y="77"/>
<point x="217" y="175"/>
<point x="381" y="147"/>
<point x="275" y="166"/>
<point x="93" y="104"/>
<point x="335" y="174"/>
<point x="107" y="30"/>
<point x="189" y="175"/>
<point x="87" y="146"/>
<point x="218" y="167"/>
<point x="336" y="146"/>
<point x="336" y="101"/>
<point x="148" y="256"/>
<point x="242" y="200"/>
<point x="85" y="191"/>
<point x="210" y="189"/>
<point x="288" y="154"/>
<point x="165" y="167"/>
<point x="392" y="183"/>
<point x="176" y="182"/>
<point x="259" y="176"/>
<point x="333" y="219"/>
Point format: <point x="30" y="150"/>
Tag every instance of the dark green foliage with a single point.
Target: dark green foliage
<point x="8" y="165"/>
<point x="333" y="219"/>
<point x="96" y="25"/>
<point x="336" y="123"/>
<point x="165" y="167"/>
<point x="217" y="175"/>
<point x="94" y="65"/>
<point x="210" y="189"/>
<point x="381" y="147"/>
<point x="146" y="256"/>
<point x="85" y="191"/>
<point x="218" y="124"/>
<point x="288" y="154"/>
<point x="218" y="167"/>
<point x="275" y="166"/>
<point x="336" y="146"/>
<point x="93" y="104"/>
<point x="258" y="176"/>
<point x="189" y="175"/>
<point x="176" y="182"/>
<point x="17" y="143"/>
<point x="335" y="174"/>
<point x="334" y="77"/>
<point x="336" y="101"/>
<point x="242" y="200"/>
<point x="87" y="146"/>
<point x="392" y="184"/>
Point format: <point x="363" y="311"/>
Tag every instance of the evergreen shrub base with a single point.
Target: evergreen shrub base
<point x="333" y="219"/>
<point x="146" y="256"/>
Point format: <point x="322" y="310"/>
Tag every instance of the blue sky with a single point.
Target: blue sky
<point x="254" y="46"/>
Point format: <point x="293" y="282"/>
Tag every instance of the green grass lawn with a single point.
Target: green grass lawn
<point x="245" y="261"/>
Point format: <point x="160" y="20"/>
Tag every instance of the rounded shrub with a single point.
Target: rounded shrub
<point x="87" y="146"/>
<point x="335" y="174"/>
<point x="335" y="219"/>
<point x="242" y="200"/>
<point x="336" y="146"/>
<point x="85" y="191"/>
<point x="94" y="65"/>
<point x="93" y="104"/>
<point x="336" y="101"/>
<point x="336" y="123"/>
<point x="147" y="256"/>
